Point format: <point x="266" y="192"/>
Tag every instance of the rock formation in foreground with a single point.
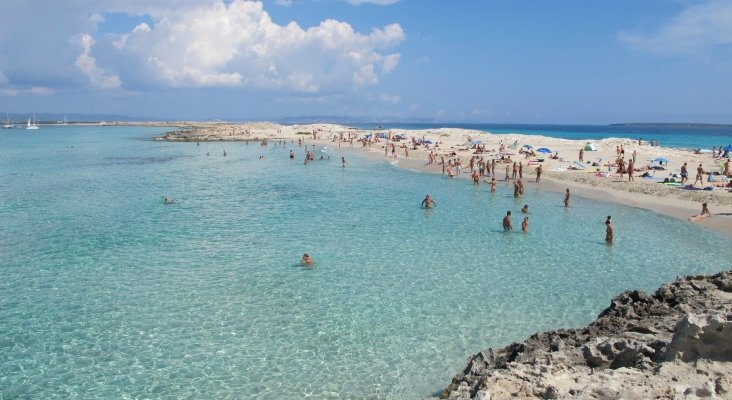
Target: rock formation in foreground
<point x="674" y="344"/>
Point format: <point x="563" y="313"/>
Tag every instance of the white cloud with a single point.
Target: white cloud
<point x="284" y="3"/>
<point x="378" y="2"/>
<point x="390" y="98"/>
<point x="88" y="66"/>
<point x="33" y="90"/>
<point x="190" y="44"/>
<point x="696" y="29"/>
<point x="238" y="44"/>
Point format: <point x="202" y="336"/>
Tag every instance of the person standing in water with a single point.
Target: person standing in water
<point x="525" y="225"/>
<point x="344" y="163"/>
<point x="428" y="202"/>
<point x="507" y="222"/>
<point x="566" y="198"/>
<point x="609" y="231"/>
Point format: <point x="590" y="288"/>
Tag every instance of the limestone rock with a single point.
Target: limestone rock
<point x="641" y="346"/>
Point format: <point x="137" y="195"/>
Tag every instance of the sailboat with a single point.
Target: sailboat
<point x="8" y="124"/>
<point x="32" y="126"/>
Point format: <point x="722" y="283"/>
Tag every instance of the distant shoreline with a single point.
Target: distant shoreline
<point x="642" y="193"/>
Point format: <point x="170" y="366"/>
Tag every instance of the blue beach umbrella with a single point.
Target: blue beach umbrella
<point x="728" y="148"/>
<point x="528" y="146"/>
<point x="661" y="160"/>
<point x="544" y="150"/>
<point x="427" y="141"/>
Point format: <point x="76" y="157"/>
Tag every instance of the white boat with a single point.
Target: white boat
<point x="33" y="125"/>
<point x="8" y="124"/>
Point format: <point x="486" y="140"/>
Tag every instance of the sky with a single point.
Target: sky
<point x="490" y="61"/>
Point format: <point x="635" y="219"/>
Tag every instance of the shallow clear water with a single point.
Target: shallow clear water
<point x="108" y="292"/>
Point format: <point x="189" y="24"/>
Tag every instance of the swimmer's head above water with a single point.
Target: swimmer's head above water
<point x="306" y="259"/>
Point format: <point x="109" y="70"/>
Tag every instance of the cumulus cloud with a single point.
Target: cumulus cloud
<point x="696" y="29"/>
<point x="88" y="66"/>
<point x="378" y="2"/>
<point x="238" y="44"/>
<point x="284" y="3"/>
<point x="191" y="44"/>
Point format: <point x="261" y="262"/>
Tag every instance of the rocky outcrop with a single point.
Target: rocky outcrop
<point x="676" y="343"/>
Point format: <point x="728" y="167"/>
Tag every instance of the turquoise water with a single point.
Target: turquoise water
<point x="107" y="292"/>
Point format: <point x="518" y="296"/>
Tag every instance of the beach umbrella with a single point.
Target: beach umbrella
<point x="728" y="148"/>
<point x="427" y="141"/>
<point x="528" y="146"/>
<point x="661" y="160"/>
<point x="544" y="150"/>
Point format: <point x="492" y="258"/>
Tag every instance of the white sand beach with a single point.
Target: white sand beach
<point x="595" y="177"/>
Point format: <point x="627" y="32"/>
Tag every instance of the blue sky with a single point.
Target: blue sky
<point x="519" y="61"/>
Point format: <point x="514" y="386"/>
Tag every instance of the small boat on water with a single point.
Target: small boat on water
<point x="8" y="123"/>
<point x="33" y="125"/>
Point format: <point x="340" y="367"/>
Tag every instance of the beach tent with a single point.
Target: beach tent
<point x="544" y="150"/>
<point x="590" y="147"/>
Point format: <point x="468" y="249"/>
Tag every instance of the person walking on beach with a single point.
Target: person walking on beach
<point x="566" y="198"/>
<point x="428" y="202"/>
<point x="508" y="167"/>
<point x="507" y="222"/>
<point x="609" y="231"/>
<point x="699" y="175"/>
<point x="525" y="225"/>
<point x="726" y="168"/>
<point x="582" y="155"/>
<point x="631" y="165"/>
<point x="684" y="173"/>
<point x="521" y="170"/>
<point x="515" y="170"/>
<point x="538" y="173"/>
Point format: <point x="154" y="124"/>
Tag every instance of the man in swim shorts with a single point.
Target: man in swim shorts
<point x="428" y="202"/>
<point x="566" y="198"/>
<point x="507" y="222"/>
<point x="684" y="173"/>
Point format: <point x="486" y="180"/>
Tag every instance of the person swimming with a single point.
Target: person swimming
<point x="169" y="200"/>
<point x="306" y="259"/>
<point x="525" y="210"/>
<point x="428" y="202"/>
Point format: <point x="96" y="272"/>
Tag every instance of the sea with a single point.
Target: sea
<point x="682" y="136"/>
<point x="109" y="292"/>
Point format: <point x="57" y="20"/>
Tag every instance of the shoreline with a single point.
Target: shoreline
<point x="642" y="193"/>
